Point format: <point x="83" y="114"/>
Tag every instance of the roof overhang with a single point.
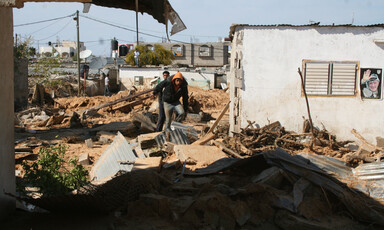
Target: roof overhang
<point x="161" y="10"/>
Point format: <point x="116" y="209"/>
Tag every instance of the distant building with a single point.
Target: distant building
<point x="197" y="54"/>
<point x="65" y="49"/>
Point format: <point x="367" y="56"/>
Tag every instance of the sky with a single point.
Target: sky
<point x="206" y="20"/>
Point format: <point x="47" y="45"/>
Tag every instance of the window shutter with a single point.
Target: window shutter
<point x="343" y="79"/>
<point x="316" y="78"/>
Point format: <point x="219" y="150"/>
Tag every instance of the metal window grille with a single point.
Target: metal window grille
<point x="330" y="78"/>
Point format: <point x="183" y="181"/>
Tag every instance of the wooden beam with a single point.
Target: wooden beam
<point x="225" y="149"/>
<point x="205" y="139"/>
<point x="219" y="118"/>
<point x="116" y="101"/>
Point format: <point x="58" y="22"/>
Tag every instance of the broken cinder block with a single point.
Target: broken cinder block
<point x="84" y="159"/>
<point x="89" y="143"/>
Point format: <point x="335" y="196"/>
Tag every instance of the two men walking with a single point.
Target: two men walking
<point x="170" y="90"/>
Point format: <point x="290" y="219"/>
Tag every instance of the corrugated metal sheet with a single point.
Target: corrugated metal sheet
<point x="107" y="165"/>
<point x="343" y="79"/>
<point x="371" y="171"/>
<point x="367" y="178"/>
<point x="177" y="136"/>
<point x="188" y="130"/>
<point x="373" y="175"/>
<point x="316" y="78"/>
<point x="331" y="166"/>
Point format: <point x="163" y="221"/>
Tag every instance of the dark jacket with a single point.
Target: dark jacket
<point x="169" y="94"/>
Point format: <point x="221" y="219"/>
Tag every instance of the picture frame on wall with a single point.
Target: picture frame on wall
<point x="371" y="83"/>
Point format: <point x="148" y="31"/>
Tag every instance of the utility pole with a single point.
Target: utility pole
<point x="137" y="22"/>
<point x="78" y="51"/>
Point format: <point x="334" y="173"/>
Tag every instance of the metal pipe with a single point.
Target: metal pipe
<point x="78" y="51"/>
<point x="137" y="22"/>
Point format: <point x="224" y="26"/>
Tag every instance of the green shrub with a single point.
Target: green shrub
<point x="49" y="174"/>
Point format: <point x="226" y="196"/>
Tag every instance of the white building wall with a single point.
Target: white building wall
<point x="127" y="75"/>
<point x="272" y="88"/>
<point x="45" y="49"/>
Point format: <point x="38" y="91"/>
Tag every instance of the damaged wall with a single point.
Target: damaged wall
<point x="7" y="157"/>
<point x="268" y="57"/>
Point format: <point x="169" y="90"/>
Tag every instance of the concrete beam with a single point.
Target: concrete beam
<point x="7" y="155"/>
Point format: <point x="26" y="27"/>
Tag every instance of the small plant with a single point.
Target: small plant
<point x="49" y="174"/>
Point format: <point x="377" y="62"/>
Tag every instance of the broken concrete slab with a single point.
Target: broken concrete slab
<point x="126" y="128"/>
<point x="153" y="163"/>
<point x="204" y="155"/>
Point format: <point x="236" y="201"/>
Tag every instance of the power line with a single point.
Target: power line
<point x="125" y="28"/>
<point x="56" y="32"/>
<point x="48" y="20"/>
<point x="45" y="27"/>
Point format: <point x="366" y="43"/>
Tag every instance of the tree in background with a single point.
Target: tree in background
<point x="159" y="56"/>
<point x="22" y="48"/>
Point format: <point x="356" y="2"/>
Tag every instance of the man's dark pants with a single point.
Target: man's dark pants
<point x="161" y="120"/>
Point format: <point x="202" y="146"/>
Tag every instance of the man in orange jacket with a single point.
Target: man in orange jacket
<point x="173" y="89"/>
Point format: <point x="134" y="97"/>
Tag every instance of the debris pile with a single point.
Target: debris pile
<point x="252" y="140"/>
<point x="197" y="177"/>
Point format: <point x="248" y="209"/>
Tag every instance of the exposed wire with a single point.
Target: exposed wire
<point x="48" y="20"/>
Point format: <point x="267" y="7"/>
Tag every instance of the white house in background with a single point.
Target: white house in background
<point x="64" y="48"/>
<point x="265" y="85"/>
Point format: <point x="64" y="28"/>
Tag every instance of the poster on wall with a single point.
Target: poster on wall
<point x="370" y="83"/>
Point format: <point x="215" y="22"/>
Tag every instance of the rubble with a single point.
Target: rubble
<point x="198" y="177"/>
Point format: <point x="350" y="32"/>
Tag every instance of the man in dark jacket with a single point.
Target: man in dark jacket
<point x="173" y="88"/>
<point x="160" y="121"/>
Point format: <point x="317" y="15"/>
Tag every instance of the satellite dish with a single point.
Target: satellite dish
<point x="85" y="54"/>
